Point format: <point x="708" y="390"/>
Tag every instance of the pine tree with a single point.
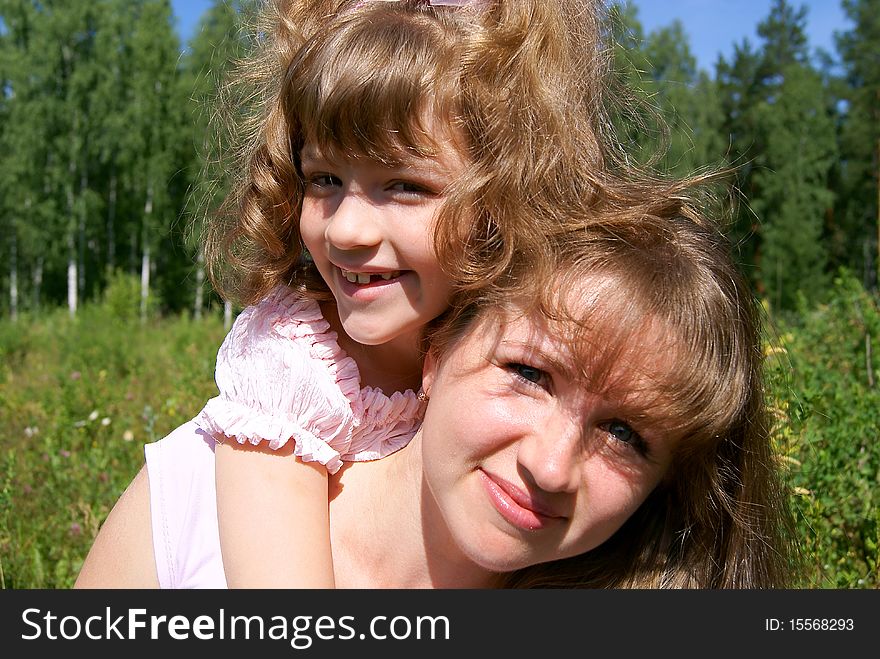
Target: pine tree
<point x="792" y="179"/>
<point x="782" y="137"/>
<point x="859" y="202"/>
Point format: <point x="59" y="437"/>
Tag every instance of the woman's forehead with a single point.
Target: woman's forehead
<point x="585" y="342"/>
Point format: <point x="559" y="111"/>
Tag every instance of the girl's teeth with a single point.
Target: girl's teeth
<point x="363" y="278"/>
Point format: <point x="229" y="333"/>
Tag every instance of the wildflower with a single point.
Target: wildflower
<point x="75" y="375"/>
<point x="105" y="421"/>
<point x="26" y="488"/>
<point x="75" y="529"/>
<point x="93" y="415"/>
<point x="31" y="431"/>
<point x="128" y="436"/>
<point x="64" y="453"/>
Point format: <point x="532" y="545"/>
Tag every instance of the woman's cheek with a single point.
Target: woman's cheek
<point x="496" y="421"/>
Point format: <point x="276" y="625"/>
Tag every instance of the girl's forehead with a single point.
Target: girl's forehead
<point x="434" y="143"/>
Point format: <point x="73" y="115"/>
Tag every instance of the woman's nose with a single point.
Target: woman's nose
<point x="354" y="224"/>
<point x="553" y="455"/>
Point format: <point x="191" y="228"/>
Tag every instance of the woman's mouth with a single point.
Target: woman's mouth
<point x="515" y="505"/>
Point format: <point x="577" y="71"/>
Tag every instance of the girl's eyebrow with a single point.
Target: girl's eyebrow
<point x="311" y="154"/>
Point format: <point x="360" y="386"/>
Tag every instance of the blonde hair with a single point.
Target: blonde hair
<point x="519" y="82"/>
<point x="719" y="518"/>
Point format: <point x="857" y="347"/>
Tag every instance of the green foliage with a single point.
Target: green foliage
<point x="122" y="298"/>
<point x="825" y="387"/>
<point x="79" y="398"/>
<point x="77" y="403"/>
<point x="793" y="182"/>
<point x="857" y="216"/>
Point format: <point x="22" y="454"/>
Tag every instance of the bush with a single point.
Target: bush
<point x="122" y="298"/>
<point x="825" y="387"/>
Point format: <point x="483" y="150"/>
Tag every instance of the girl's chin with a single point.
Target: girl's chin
<point x="369" y="336"/>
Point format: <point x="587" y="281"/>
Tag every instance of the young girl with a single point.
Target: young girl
<point x="601" y="427"/>
<point x="386" y="124"/>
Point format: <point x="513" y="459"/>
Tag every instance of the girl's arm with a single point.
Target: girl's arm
<point x="122" y="554"/>
<point x="282" y="420"/>
<point x="272" y="510"/>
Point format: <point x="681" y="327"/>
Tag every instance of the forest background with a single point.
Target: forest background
<point x="109" y="329"/>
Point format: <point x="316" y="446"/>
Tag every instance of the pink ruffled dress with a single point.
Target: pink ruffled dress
<point x="283" y="377"/>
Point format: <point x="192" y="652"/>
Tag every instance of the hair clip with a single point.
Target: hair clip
<point x="432" y="3"/>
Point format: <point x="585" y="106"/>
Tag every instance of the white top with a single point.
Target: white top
<point x="183" y="509"/>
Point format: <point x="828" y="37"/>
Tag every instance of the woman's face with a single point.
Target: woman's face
<point x="524" y="463"/>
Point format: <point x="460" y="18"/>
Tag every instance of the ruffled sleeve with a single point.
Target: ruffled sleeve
<point x="281" y="376"/>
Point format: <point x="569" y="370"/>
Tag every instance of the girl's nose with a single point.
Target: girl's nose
<point x="354" y="224"/>
<point x="553" y="455"/>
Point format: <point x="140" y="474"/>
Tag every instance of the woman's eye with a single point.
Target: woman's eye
<point x="625" y="434"/>
<point x="409" y="187"/>
<point x="529" y="373"/>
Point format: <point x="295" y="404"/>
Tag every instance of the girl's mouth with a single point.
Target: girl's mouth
<point x="369" y="277"/>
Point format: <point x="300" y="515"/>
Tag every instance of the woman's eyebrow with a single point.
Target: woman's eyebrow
<point x="539" y="351"/>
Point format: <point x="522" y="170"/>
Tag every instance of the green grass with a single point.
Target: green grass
<point x="79" y="399"/>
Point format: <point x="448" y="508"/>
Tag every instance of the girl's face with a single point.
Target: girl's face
<point x="368" y="228"/>
<point x="524" y="463"/>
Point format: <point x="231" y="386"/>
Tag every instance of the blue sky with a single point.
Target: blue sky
<point x="713" y="26"/>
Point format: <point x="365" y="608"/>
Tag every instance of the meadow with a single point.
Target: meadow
<point x="80" y="397"/>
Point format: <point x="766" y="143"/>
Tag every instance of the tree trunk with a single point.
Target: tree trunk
<point x="81" y="234"/>
<point x="72" y="278"/>
<point x="145" y="281"/>
<point x="71" y="274"/>
<point x="200" y="281"/>
<point x="145" y="253"/>
<point x="13" y="277"/>
<point x="111" y="222"/>
<point x="37" y="284"/>
<point x="227" y="315"/>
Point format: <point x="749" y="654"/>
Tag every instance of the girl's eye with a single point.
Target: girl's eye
<point x="323" y="180"/>
<point x="625" y="434"/>
<point x="532" y="375"/>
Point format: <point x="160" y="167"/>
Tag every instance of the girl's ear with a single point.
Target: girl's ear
<point x="429" y="372"/>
